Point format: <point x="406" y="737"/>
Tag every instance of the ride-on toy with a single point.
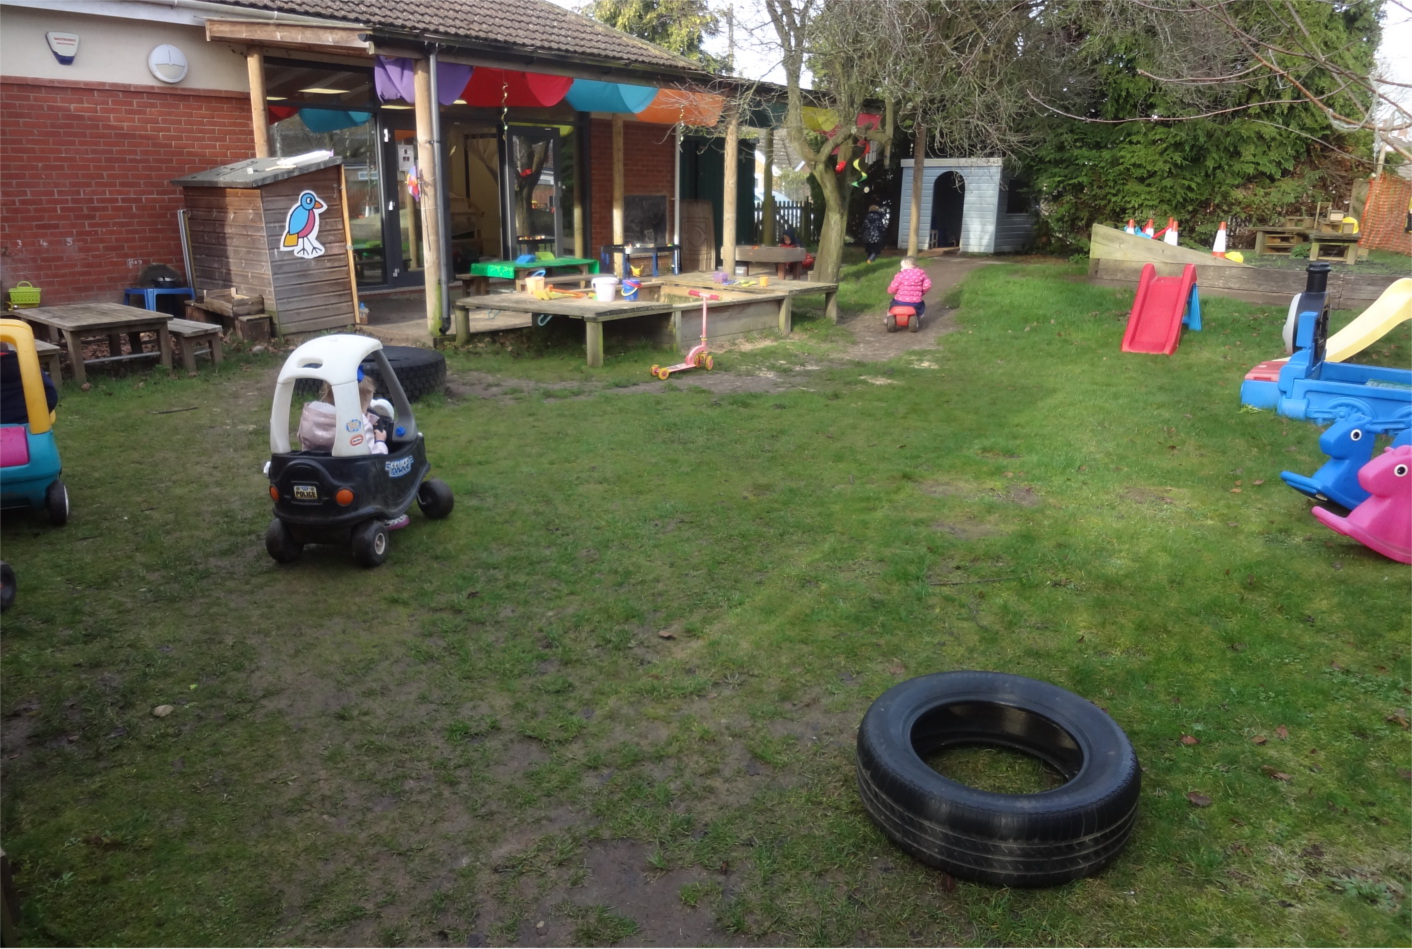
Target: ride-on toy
<point x="902" y="316"/>
<point x="346" y="495"/>
<point x="29" y="457"/>
<point x="698" y="358"/>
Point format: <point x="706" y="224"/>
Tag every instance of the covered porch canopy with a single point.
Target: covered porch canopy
<point x="668" y="91"/>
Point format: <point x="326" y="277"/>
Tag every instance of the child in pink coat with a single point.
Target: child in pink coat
<point x="909" y="286"/>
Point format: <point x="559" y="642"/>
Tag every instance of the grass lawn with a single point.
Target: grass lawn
<point x="613" y="698"/>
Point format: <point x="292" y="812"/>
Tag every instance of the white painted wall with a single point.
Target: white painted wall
<point x="113" y="48"/>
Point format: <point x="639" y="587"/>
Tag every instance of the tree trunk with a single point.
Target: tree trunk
<point x="919" y="158"/>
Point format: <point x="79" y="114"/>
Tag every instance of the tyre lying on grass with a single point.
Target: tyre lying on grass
<point x="1039" y="839"/>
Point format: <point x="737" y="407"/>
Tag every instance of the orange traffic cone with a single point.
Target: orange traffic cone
<point x="1218" y="249"/>
<point x="1172" y="231"/>
<point x="1131" y="228"/>
<point x="1147" y="228"/>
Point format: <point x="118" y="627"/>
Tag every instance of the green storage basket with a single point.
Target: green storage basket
<point x="24" y="294"/>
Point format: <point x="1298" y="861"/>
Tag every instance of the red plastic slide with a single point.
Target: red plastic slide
<point x="1155" y="323"/>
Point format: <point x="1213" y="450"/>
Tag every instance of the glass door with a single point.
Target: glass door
<point x="534" y="191"/>
<point x="401" y="201"/>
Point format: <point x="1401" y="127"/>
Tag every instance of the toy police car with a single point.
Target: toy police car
<point x="336" y="490"/>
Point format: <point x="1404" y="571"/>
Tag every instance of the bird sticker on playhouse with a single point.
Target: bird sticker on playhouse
<point x="301" y="227"/>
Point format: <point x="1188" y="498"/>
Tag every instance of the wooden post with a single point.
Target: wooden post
<point x="919" y="160"/>
<point x="580" y="238"/>
<point x="593" y="343"/>
<point x="767" y="223"/>
<point x="728" y="196"/>
<point x="433" y="278"/>
<point x="259" y="114"/>
<point x="618" y="223"/>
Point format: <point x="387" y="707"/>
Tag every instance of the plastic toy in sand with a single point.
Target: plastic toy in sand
<point x="1384" y="521"/>
<point x="1349" y="444"/>
<point x="1162" y="306"/>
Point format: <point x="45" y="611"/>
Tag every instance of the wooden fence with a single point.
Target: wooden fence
<point x="796" y="216"/>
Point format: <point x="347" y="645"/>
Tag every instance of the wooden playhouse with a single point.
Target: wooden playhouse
<point x="276" y="228"/>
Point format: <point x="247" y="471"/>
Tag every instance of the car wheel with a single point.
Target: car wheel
<point x="280" y="543"/>
<point x="435" y="499"/>
<point x="56" y="501"/>
<point x="7" y="585"/>
<point x="1040" y="839"/>
<point x="370" y="542"/>
<point x="420" y="371"/>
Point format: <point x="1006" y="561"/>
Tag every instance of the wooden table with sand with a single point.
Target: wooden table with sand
<point x="669" y="314"/>
<point x="75" y="322"/>
<point x="794" y="288"/>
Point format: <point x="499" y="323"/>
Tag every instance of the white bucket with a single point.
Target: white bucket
<point x="605" y="288"/>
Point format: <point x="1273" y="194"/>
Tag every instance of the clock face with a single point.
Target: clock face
<point x="167" y="63"/>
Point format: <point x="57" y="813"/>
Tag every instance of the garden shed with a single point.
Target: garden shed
<point x="276" y="228"/>
<point x="969" y="203"/>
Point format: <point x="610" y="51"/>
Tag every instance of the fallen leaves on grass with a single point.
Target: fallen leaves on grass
<point x="1270" y="771"/>
<point x="1190" y="740"/>
<point x="1198" y="800"/>
<point x="1399" y="717"/>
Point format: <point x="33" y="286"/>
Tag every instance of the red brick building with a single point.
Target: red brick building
<point x="105" y="108"/>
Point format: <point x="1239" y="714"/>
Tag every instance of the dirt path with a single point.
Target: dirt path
<point x="871" y="343"/>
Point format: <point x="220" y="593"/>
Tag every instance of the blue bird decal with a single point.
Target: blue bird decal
<point x="301" y="227"/>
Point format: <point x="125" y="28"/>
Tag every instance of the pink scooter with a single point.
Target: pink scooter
<point x="698" y="358"/>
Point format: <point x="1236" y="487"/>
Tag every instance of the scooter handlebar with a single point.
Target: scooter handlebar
<point x="704" y="295"/>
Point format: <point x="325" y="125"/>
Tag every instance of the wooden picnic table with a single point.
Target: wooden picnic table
<point x="75" y="322"/>
<point x="788" y="261"/>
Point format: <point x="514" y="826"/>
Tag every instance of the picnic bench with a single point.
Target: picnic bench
<point x="191" y="332"/>
<point x="75" y="322"/>
<point x="788" y="261"/>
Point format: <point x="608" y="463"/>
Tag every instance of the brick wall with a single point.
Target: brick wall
<point x="649" y="167"/>
<point x="1384" y="222"/>
<point x="86" y="200"/>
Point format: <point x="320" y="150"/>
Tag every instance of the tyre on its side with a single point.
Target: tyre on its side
<point x="420" y="371"/>
<point x="1021" y="840"/>
<point x="370" y="542"/>
<point x="7" y="585"/>
<point x="435" y="499"/>
<point x="280" y="544"/>
<point x="56" y="501"/>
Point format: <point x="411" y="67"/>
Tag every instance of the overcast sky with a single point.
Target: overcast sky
<point x="755" y="60"/>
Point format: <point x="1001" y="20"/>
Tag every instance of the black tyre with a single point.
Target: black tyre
<point x="914" y="323"/>
<point x="7" y="586"/>
<point x="1039" y="839"/>
<point x="420" y="371"/>
<point x="891" y="324"/>
<point x="280" y="544"/>
<point x="435" y="499"/>
<point x="370" y="542"/>
<point x="56" y="501"/>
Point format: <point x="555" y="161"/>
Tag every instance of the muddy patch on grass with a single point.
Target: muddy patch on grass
<point x="621" y="894"/>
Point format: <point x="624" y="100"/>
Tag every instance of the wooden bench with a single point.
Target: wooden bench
<point x="190" y="332"/>
<point x="49" y="358"/>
